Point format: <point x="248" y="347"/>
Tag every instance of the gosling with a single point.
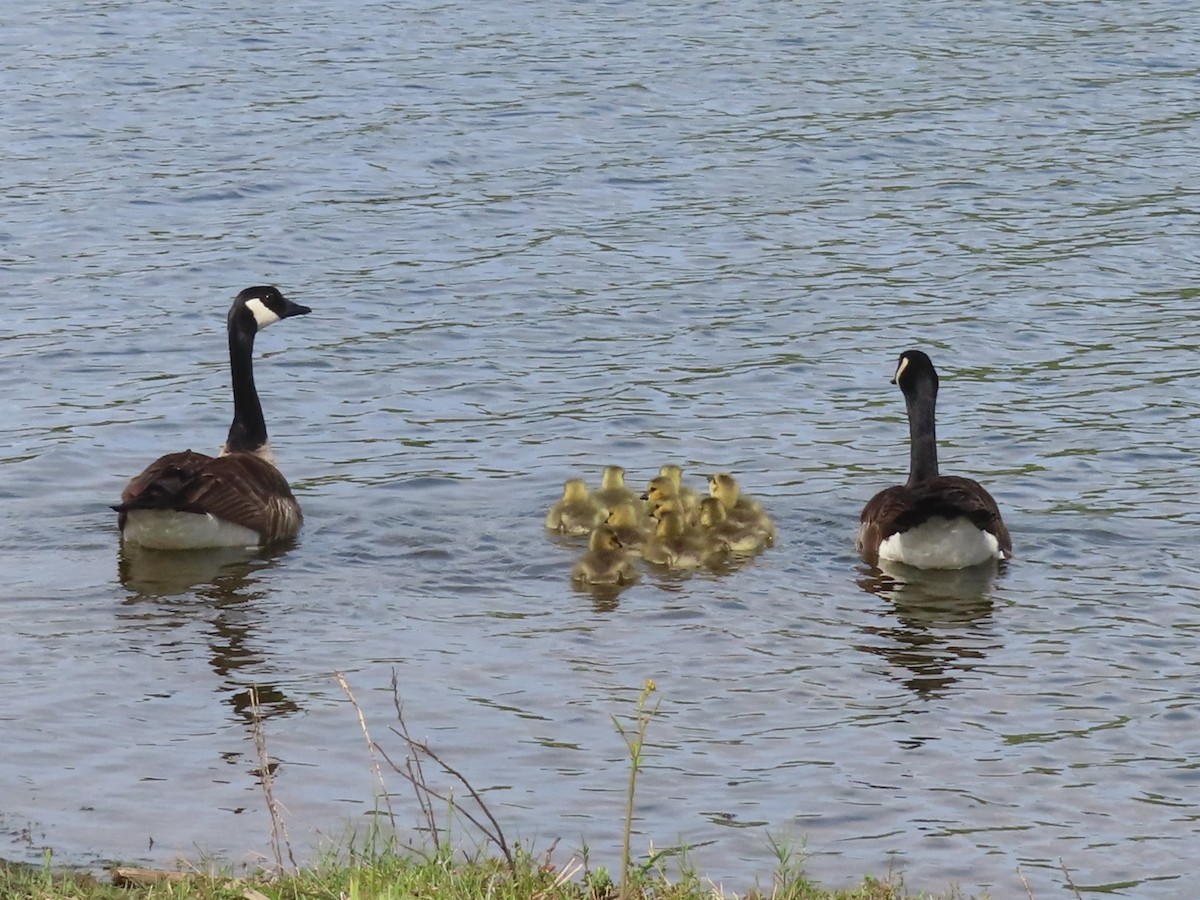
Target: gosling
<point x="576" y="512"/>
<point x="606" y="562"/>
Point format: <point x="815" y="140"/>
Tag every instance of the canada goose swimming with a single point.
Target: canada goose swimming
<point x="672" y="545"/>
<point x="188" y="500"/>
<point x="612" y="490"/>
<point x="630" y="524"/>
<point x="740" y="509"/>
<point x="933" y="521"/>
<point x="606" y="561"/>
<point x="576" y="512"/>
<point x="727" y="536"/>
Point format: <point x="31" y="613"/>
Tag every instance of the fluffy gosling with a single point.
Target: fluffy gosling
<point x="738" y="507"/>
<point x="672" y="545"/>
<point x="630" y="523"/>
<point x="606" y="561"/>
<point x="726" y="536"/>
<point x="612" y="490"/>
<point x="576" y="512"/>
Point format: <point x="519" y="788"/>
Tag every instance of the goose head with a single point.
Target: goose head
<point x="257" y="307"/>
<point x="915" y="370"/>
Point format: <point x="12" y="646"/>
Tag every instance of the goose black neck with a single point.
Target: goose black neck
<point x="921" y="401"/>
<point x="248" y="431"/>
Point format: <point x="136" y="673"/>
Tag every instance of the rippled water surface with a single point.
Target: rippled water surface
<point x="542" y="237"/>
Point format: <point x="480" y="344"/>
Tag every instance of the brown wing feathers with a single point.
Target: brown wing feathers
<point x="239" y="487"/>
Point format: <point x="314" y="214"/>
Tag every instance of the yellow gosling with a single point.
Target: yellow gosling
<point x="630" y="524"/>
<point x="612" y="490"/>
<point x="606" y="561"/>
<point x="663" y="488"/>
<point x="726" y="536"/>
<point x="672" y="545"/>
<point x="739" y="508"/>
<point x="691" y="499"/>
<point x="576" y="512"/>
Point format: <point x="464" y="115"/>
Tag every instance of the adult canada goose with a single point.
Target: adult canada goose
<point x="576" y="512"/>
<point x="188" y="500"/>
<point x="606" y="561"/>
<point x="933" y="521"/>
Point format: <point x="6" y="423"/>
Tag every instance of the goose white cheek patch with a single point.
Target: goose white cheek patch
<point x="263" y="315"/>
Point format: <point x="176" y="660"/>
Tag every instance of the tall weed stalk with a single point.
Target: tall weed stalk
<point x="635" y="741"/>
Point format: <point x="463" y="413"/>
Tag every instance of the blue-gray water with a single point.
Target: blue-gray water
<point x="541" y="237"/>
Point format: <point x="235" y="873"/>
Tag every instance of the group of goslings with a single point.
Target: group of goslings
<point x="669" y="524"/>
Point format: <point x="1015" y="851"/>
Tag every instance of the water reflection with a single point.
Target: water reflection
<point x="942" y="623"/>
<point x="170" y="591"/>
<point x="605" y="597"/>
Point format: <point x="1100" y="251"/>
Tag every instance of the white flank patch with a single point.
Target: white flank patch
<point x="940" y="543"/>
<point x="262" y="313"/>
<point x="168" y="529"/>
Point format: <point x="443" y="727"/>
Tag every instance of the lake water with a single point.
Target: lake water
<point x="543" y="237"/>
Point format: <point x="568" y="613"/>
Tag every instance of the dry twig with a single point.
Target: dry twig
<point x="1028" y="891"/>
<point x="279" y="835"/>
<point x="372" y="747"/>
<point x="1070" y="882"/>
<point x="413" y="773"/>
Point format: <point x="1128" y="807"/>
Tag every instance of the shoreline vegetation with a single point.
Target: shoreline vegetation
<point x="463" y="855"/>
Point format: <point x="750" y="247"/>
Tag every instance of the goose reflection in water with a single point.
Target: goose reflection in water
<point x="942" y="623"/>
<point x="174" y="590"/>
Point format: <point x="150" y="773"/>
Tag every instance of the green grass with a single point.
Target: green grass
<point x="394" y="877"/>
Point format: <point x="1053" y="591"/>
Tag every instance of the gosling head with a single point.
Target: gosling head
<point x="725" y="488"/>
<point x="661" y="488"/>
<point x="672" y="473"/>
<point x="667" y="505"/>
<point x="613" y="477"/>
<point x="575" y="490"/>
<point x="604" y="537"/>
<point x="624" y="515"/>
<point x="670" y="525"/>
